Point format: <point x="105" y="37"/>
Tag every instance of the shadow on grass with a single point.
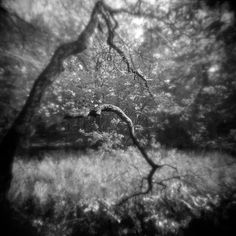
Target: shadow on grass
<point x="220" y="221"/>
<point x="13" y="224"/>
<point x="72" y="194"/>
<point x="132" y="221"/>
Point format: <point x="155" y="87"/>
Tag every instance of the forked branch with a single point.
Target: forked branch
<point x="54" y="68"/>
<point x="112" y="24"/>
<point x="97" y="111"/>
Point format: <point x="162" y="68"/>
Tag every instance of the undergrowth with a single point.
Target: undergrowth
<point x="72" y="193"/>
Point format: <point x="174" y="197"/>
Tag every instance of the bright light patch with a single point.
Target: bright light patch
<point x="164" y="5"/>
<point x="157" y="55"/>
<point x="227" y="18"/>
<point x="138" y="32"/>
<point x="138" y="28"/>
<point x="213" y="69"/>
<point x="115" y="3"/>
<point x="150" y="1"/>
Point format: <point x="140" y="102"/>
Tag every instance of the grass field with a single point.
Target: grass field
<point x="73" y="193"/>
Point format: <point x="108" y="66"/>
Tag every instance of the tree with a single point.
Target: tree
<point x="22" y="124"/>
<point x="155" y="83"/>
<point x="171" y="81"/>
<point x="12" y="138"/>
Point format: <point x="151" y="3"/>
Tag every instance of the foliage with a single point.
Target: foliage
<point x="73" y="193"/>
<point x="168" y="64"/>
<point x="184" y="50"/>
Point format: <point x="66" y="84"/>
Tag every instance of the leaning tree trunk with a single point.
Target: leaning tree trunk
<point x="9" y="143"/>
<point x="11" y="140"/>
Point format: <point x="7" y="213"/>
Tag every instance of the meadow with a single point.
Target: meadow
<point x="80" y="193"/>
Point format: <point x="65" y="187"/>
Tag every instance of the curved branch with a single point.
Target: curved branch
<point x="149" y="179"/>
<point x="112" y="26"/>
<point x="20" y="126"/>
<point x="112" y="108"/>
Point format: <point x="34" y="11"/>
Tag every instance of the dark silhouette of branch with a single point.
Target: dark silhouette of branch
<point x="149" y="179"/>
<point x="112" y="25"/>
<point x="22" y="125"/>
<point x="112" y="108"/>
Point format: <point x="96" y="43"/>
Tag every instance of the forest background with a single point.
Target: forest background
<point x="167" y="68"/>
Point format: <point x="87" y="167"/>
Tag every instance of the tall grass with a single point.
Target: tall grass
<point x="64" y="188"/>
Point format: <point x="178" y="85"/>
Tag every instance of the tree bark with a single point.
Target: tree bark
<point x="112" y="108"/>
<point x="11" y="140"/>
<point x="23" y="121"/>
